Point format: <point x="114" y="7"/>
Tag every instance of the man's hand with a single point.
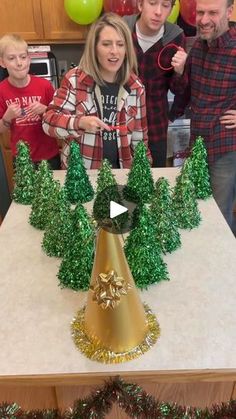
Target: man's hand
<point x="229" y="119"/>
<point x="178" y="61"/>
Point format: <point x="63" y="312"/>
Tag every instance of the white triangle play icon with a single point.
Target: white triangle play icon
<point x="116" y="209"/>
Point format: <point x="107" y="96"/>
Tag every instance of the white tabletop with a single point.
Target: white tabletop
<point x="195" y="309"/>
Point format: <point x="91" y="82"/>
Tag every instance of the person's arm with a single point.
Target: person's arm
<point x="179" y="80"/>
<point x="179" y="105"/>
<point x="62" y="119"/>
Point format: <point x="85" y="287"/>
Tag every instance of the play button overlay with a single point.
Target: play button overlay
<point x="111" y="211"/>
<point x="116" y="209"/>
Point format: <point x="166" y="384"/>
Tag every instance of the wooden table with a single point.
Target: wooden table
<point x="193" y="361"/>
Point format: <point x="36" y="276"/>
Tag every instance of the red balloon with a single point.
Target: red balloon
<point x="121" y="7"/>
<point x="188" y="11"/>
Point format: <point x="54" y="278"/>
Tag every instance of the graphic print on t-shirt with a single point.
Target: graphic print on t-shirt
<point x="109" y="100"/>
<point x="109" y="94"/>
<point x="26" y="118"/>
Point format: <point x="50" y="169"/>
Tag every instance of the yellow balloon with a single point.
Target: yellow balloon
<point x="174" y="13"/>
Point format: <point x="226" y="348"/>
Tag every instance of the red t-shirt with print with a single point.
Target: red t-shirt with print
<point x="26" y="127"/>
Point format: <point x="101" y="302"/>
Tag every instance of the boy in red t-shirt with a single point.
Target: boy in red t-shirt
<point x="23" y="100"/>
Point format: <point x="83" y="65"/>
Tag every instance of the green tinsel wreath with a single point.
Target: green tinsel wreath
<point x="131" y="398"/>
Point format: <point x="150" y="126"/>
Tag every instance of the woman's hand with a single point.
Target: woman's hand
<point x="92" y="124"/>
<point x="229" y="119"/>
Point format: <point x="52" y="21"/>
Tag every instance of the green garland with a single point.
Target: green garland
<point x="131" y="398"/>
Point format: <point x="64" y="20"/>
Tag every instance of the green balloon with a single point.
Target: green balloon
<point x="174" y="12"/>
<point x="83" y="12"/>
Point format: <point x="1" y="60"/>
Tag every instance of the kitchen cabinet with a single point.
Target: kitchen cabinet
<point x="233" y="16"/>
<point x="23" y="17"/>
<point x="40" y="21"/>
<point x="57" y="24"/>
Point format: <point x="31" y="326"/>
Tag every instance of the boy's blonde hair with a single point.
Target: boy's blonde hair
<point x="11" y="39"/>
<point x="89" y="62"/>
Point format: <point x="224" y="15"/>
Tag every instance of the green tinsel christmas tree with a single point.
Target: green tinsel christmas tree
<point x="24" y="177"/>
<point x="77" y="183"/>
<point x="143" y="252"/>
<point x="42" y="204"/>
<point x="140" y="184"/>
<point x="76" y="266"/>
<point x="185" y="205"/>
<point x="58" y="231"/>
<point x="107" y="190"/>
<point x="162" y="212"/>
<point x="200" y="171"/>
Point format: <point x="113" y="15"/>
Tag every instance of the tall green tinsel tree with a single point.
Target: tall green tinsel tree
<point x="200" y="171"/>
<point x="24" y="177"/>
<point x="76" y="266"/>
<point x="107" y="190"/>
<point x="185" y="205"/>
<point x="77" y="183"/>
<point x="58" y="231"/>
<point x="143" y="252"/>
<point x="140" y="184"/>
<point x="162" y="212"/>
<point x="43" y="199"/>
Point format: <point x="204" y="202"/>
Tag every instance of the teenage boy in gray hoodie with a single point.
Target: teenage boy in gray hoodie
<point x="151" y="33"/>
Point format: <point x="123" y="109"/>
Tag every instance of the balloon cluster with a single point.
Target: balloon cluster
<point x="85" y="12"/>
<point x="186" y="9"/>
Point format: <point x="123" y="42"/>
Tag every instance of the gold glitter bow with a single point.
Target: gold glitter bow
<point x="109" y="288"/>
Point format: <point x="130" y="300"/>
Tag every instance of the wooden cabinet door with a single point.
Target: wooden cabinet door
<point x="233" y="17"/>
<point x="58" y="25"/>
<point x="7" y="157"/>
<point x="22" y="17"/>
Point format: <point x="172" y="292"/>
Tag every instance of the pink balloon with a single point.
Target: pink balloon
<point x="188" y="11"/>
<point x="121" y="7"/>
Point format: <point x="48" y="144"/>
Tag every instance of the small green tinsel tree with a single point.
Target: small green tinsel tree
<point x="185" y="205"/>
<point x="58" y="231"/>
<point x="140" y="184"/>
<point x="43" y="199"/>
<point x="77" y="183"/>
<point x="107" y="190"/>
<point x="200" y="171"/>
<point x="143" y="252"/>
<point x="24" y="177"/>
<point x="162" y="212"/>
<point x="76" y="266"/>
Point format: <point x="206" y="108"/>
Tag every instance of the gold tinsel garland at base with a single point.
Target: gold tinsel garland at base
<point x="95" y="352"/>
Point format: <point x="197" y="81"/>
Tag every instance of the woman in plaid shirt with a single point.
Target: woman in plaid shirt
<point x="101" y="103"/>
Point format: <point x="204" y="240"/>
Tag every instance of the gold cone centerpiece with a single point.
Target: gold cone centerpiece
<point x="114" y="326"/>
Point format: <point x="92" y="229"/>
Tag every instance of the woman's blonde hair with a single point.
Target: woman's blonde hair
<point x="89" y="62"/>
<point x="11" y="39"/>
